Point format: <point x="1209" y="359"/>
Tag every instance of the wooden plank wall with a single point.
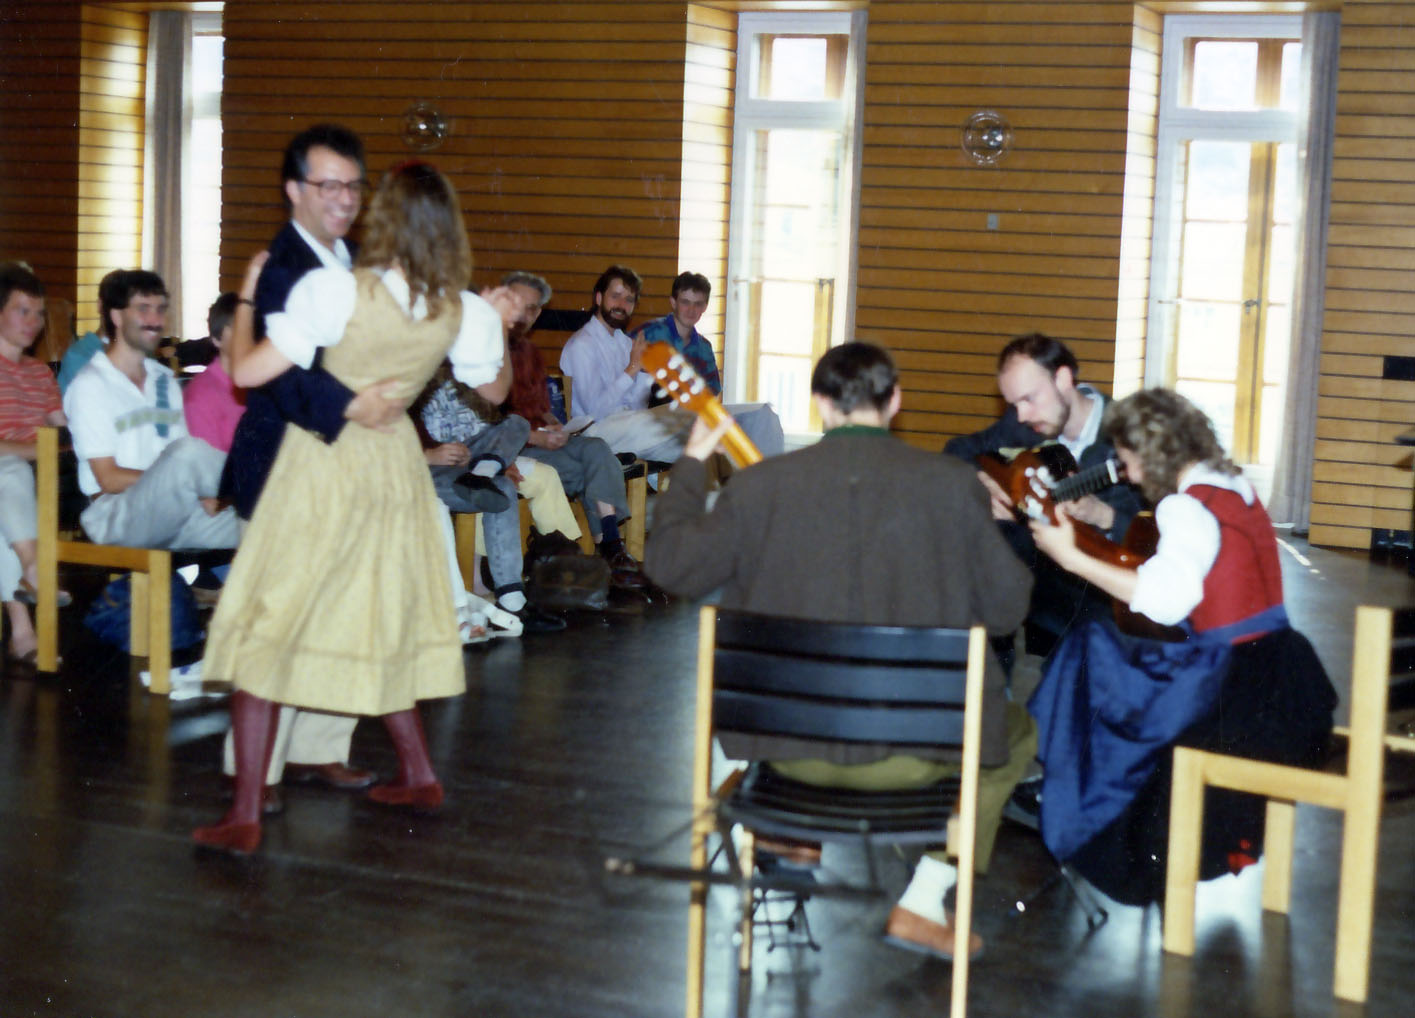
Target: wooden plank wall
<point x="567" y="122"/>
<point x="39" y="139"/>
<point x="112" y="126"/>
<point x="709" y="90"/>
<point x="936" y="285"/>
<point x="1361" y="479"/>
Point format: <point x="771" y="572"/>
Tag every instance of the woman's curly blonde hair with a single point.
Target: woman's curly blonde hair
<point x="1168" y="433"/>
<point x="415" y="223"/>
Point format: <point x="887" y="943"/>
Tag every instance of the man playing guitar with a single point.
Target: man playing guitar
<point x="1037" y="377"/>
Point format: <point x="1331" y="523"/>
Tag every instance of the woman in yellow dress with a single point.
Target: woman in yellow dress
<point x="339" y="598"/>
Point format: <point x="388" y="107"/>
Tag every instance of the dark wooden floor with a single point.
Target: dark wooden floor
<point x="567" y="748"/>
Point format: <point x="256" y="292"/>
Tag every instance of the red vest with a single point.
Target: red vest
<point x="1246" y="577"/>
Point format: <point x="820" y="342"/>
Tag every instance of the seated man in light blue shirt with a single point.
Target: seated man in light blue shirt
<point x="611" y="386"/>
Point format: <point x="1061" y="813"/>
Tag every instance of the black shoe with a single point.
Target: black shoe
<point x="625" y="571"/>
<point x="533" y="620"/>
<point x="481" y="494"/>
<point x="1024" y="806"/>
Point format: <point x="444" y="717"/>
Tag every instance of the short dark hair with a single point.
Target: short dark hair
<point x="1051" y="354"/>
<point x="219" y="315"/>
<point x="14" y="276"/>
<point x="341" y="140"/>
<point x="853" y="375"/>
<point x="691" y="281"/>
<point x="118" y="288"/>
<point x="624" y="274"/>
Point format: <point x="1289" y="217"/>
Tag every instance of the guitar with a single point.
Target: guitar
<point x="1039" y="479"/>
<point x="675" y="376"/>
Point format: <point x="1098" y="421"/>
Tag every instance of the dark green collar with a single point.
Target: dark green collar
<point x="855" y="429"/>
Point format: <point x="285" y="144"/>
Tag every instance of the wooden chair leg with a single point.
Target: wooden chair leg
<point x="139" y="588"/>
<point x="1186" y="814"/>
<point x="46" y="614"/>
<point x="464" y="529"/>
<point x="586" y="538"/>
<point x="697" y="923"/>
<point x="159" y="622"/>
<point x="1277" y="852"/>
<point x="637" y="489"/>
<point x="1356" y="898"/>
<point x="747" y="858"/>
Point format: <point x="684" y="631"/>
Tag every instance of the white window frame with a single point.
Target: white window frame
<point x="845" y="114"/>
<point x="1178" y="124"/>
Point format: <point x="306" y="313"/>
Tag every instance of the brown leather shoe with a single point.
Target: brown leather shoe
<point x="334" y="775"/>
<point x="913" y="932"/>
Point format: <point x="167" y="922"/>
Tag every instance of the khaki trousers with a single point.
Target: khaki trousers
<point x="995" y="784"/>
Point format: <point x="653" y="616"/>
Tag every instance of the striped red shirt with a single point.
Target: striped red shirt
<point x="28" y="393"/>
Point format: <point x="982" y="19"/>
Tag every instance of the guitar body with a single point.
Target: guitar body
<point x="1038" y="479"/>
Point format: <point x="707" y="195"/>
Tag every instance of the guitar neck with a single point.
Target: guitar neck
<point x="1087" y="482"/>
<point x="739" y="447"/>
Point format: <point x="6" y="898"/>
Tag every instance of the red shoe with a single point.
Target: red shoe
<point x="237" y="839"/>
<point x="416" y="796"/>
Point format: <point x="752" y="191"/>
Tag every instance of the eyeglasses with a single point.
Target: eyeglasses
<point x="330" y="189"/>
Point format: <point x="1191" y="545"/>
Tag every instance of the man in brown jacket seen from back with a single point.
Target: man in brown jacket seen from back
<point x="860" y="528"/>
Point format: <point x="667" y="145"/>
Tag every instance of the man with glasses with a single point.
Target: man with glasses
<point x="323" y="181"/>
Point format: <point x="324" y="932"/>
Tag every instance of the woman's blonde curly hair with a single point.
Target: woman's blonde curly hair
<point x="1168" y="433"/>
<point x="415" y="223"/>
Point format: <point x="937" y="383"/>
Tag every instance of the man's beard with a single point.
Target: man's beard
<point x="614" y="318"/>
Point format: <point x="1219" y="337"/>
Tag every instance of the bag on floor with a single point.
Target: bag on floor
<point x="561" y="583"/>
<point x="108" y="616"/>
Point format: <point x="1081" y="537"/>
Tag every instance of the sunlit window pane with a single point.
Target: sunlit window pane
<point x="785" y="383"/>
<point x="1208" y="341"/>
<point x="201" y="198"/>
<point x="1213" y="261"/>
<point x="1290" y="95"/>
<point x="1285" y="199"/>
<point x="1225" y="75"/>
<point x="1282" y="264"/>
<point x="797" y="68"/>
<point x="1216" y="186"/>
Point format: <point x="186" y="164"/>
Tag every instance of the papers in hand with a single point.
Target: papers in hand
<point x="578" y="424"/>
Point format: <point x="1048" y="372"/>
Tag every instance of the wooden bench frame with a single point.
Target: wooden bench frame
<point x="151" y="619"/>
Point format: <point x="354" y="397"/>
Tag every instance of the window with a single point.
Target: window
<point x="791" y="238"/>
<point x="201" y="198"/>
<point x="1226" y="202"/>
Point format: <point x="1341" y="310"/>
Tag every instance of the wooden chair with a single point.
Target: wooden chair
<point x="1385" y="643"/>
<point x="151" y="569"/>
<point x="910" y="687"/>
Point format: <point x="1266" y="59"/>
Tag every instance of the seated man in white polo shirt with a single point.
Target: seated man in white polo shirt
<point x="152" y="484"/>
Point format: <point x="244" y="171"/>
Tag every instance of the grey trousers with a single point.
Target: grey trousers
<point x="162" y="509"/>
<point x="588" y="468"/>
<point x="502" y="530"/>
<point x="661" y="432"/>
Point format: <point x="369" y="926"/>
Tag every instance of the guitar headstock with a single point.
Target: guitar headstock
<point x="676" y="376"/>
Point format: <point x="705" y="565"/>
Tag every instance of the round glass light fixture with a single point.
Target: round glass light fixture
<point x="987" y="136"/>
<point x="424" y="127"/>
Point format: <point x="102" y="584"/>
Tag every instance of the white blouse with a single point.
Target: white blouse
<point x="1171" y="584"/>
<point x="321" y="304"/>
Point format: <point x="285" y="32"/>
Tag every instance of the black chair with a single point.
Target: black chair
<point x="908" y="688"/>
